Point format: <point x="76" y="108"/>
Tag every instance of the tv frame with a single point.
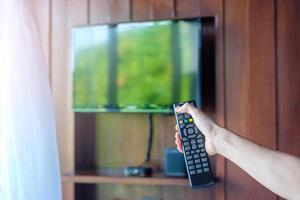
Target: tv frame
<point x="130" y="109"/>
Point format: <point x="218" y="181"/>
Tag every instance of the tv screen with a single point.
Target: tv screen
<point x="136" y="67"/>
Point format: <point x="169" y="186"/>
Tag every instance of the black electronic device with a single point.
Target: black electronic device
<point x="138" y="171"/>
<point x="195" y="155"/>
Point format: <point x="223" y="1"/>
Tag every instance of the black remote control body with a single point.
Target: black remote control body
<point x="195" y="155"/>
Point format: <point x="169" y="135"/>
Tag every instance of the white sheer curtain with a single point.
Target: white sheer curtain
<point x="29" y="165"/>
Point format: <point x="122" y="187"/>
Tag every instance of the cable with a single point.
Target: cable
<point x="150" y="138"/>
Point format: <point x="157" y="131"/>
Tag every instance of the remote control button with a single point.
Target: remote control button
<point x="200" y="140"/>
<point x="186" y="143"/>
<point x="194" y="146"/>
<point x="189" y="157"/>
<point x="202" y="150"/>
<point x="201" y="145"/>
<point x="187" y="153"/>
<point x="205" y="164"/>
<point x="186" y="121"/>
<point x="197" y="161"/>
<point x="191" y="136"/>
<point x="187" y="116"/>
<point x="181" y="125"/>
<point x="191" y="167"/>
<point x="203" y="154"/>
<point x="199" y="136"/>
<point x="199" y="171"/>
<point x="184" y="139"/>
<point x="206" y="169"/>
<point x="192" y="172"/>
<point x="197" y="151"/>
<point x="190" y="162"/>
<point x="191" y="120"/>
<point x="198" y="166"/>
<point x="204" y="159"/>
<point x="193" y="141"/>
<point x="190" y="126"/>
<point x="196" y="156"/>
<point x="184" y="132"/>
<point x="190" y="131"/>
<point x="187" y="148"/>
<point x="180" y="117"/>
<point x="180" y="122"/>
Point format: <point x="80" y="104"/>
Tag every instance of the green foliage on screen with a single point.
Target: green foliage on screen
<point x="144" y="59"/>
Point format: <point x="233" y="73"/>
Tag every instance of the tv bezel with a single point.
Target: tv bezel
<point x="130" y="109"/>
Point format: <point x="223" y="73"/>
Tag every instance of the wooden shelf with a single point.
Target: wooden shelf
<point x="90" y="177"/>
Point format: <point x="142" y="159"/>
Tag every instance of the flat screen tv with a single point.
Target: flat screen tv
<point x="136" y="67"/>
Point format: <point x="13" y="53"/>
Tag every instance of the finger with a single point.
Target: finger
<point x="179" y="148"/>
<point x="177" y="136"/>
<point x="177" y="141"/>
<point x="185" y="108"/>
<point x="176" y="127"/>
<point x="201" y="120"/>
<point x="181" y="109"/>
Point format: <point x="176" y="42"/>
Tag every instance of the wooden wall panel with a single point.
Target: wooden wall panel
<point x="163" y="9"/>
<point x="59" y="87"/>
<point x="152" y="9"/>
<point x="250" y="85"/>
<point x="198" y="8"/>
<point x="141" y="10"/>
<point x="59" y="73"/>
<point x="77" y="14"/>
<point x="109" y="11"/>
<point x="65" y="14"/>
<point x="209" y="7"/>
<point x="77" y="11"/>
<point x="249" y="72"/>
<point x="99" y="11"/>
<point x="42" y="8"/>
<point x="187" y="8"/>
<point x="216" y="9"/>
<point x="288" y="75"/>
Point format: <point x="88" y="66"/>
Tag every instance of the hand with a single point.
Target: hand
<point x="203" y="123"/>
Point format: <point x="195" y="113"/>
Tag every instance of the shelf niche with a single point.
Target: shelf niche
<point x="117" y="140"/>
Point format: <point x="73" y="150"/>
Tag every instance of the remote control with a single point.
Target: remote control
<point x="195" y="155"/>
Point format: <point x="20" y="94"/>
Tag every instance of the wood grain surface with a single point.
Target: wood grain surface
<point x="250" y="85"/>
<point x="255" y="91"/>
